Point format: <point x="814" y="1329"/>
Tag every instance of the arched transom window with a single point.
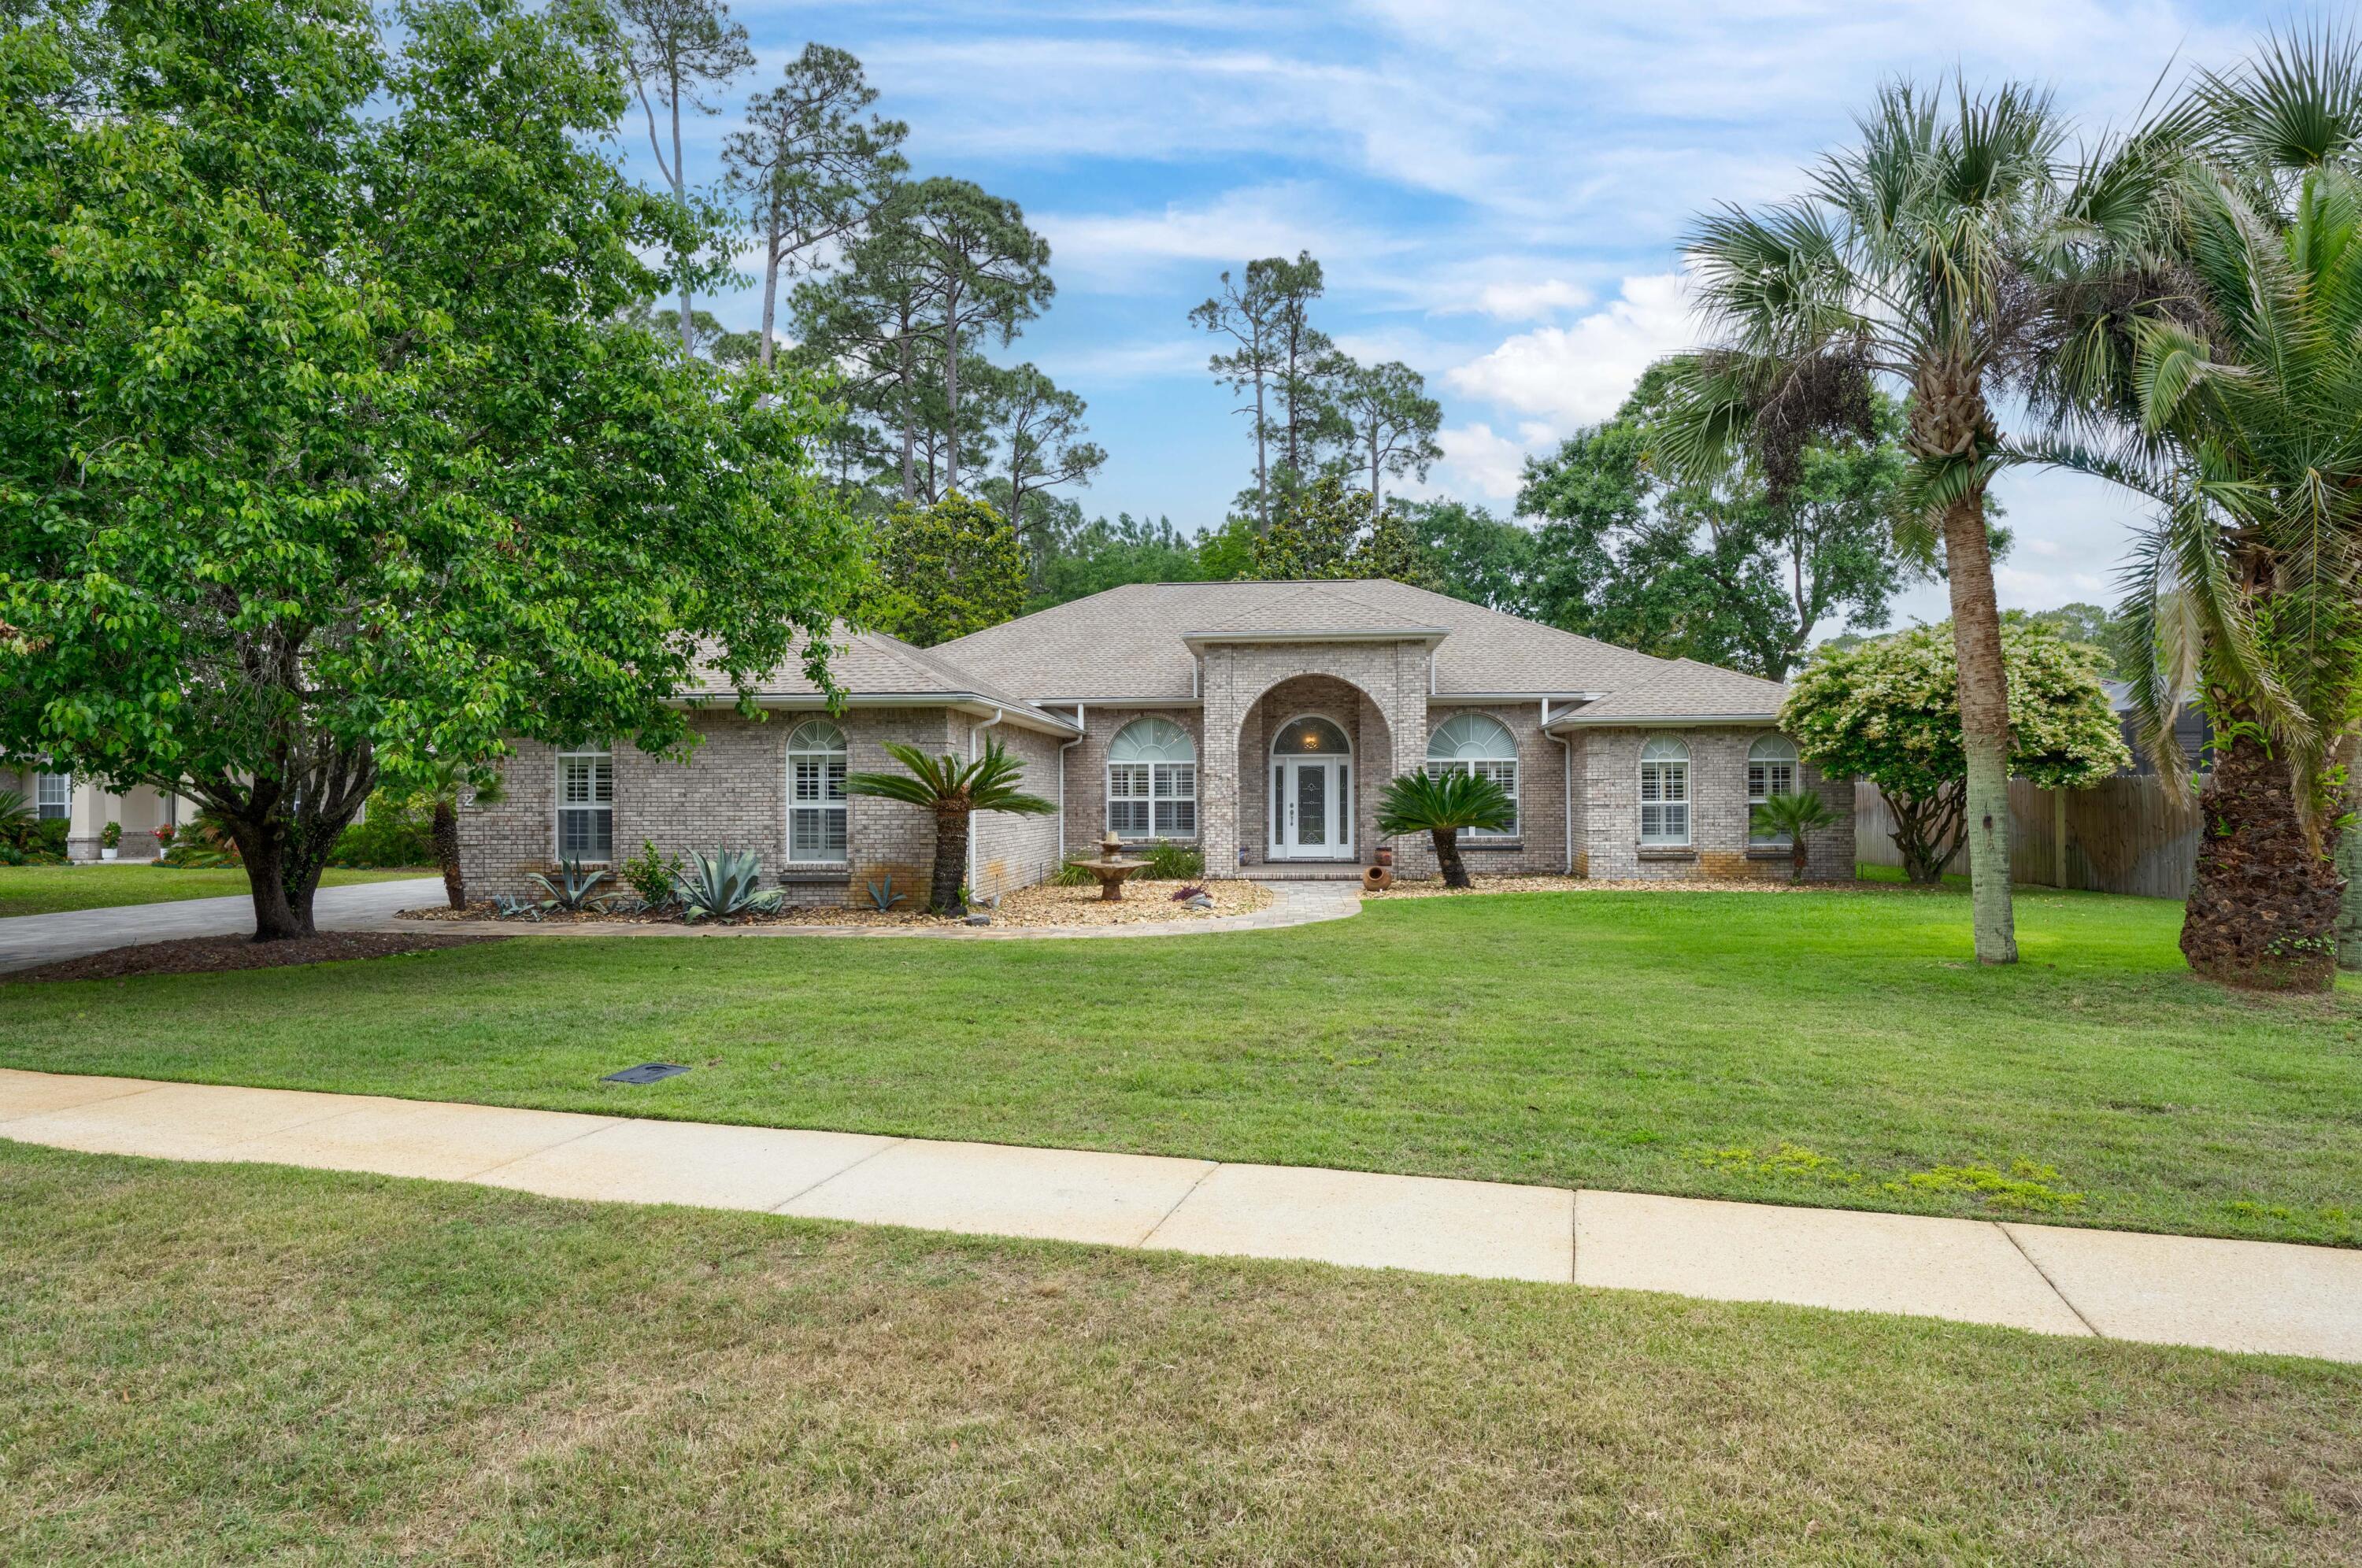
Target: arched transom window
<point x="816" y="808"/>
<point x="1482" y="744"/>
<point x="1310" y="737"/>
<point x="1153" y="781"/>
<point x="1770" y="770"/>
<point x="1665" y="791"/>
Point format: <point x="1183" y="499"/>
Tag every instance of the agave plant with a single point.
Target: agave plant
<point x="574" y="888"/>
<point x="724" y="886"/>
<point x="15" y="820"/>
<point x="1792" y="817"/>
<point x="1440" y="805"/>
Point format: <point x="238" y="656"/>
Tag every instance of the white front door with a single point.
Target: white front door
<point x="1312" y="811"/>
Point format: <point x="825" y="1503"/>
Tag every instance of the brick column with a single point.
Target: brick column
<point x="1217" y="763"/>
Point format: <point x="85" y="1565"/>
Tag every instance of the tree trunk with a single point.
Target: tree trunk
<point x="770" y="284"/>
<point x="1262" y="463"/>
<point x="1925" y="835"/>
<point x="1447" y="856"/>
<point x="2349" y="859"/>
<point x="951" y="861"/>
<point x="1799" y="856"/>
<point x="680" y="194"/>
<point x="1984" y="725"/>
<point x="950" y="393"/>
<point x="2263" y="911"/>
<point x="447" y="852"/>
<point x="277" y="917"/>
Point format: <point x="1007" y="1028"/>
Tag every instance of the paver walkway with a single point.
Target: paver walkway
<point x="29" y="940"/>
<point x="2234" y="1296"/>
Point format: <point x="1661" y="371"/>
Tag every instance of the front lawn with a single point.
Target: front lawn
<point x="203" y="1364"/>
<point x="1837" y="1048"/>
<point x="46" y="890"/>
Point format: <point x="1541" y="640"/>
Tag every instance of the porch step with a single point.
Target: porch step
<point x="1305" y="871"/>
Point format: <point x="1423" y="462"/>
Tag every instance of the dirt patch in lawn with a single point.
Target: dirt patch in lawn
<point x="209" y="955"/>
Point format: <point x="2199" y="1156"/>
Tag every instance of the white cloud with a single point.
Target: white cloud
<point x="1480" y="462"/>
<point x="1578" y="374"/>
<point x="1118" y="251"/>
<point x="1526" y="301"/>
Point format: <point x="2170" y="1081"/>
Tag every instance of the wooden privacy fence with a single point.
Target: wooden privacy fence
<point x="2123" y="835"/>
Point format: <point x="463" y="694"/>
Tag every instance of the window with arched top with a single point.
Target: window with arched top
<point x="1151" y="772"/>
<point x="1310" y="737"/>
<point x="1770" y="770"/>
<point x="1481" y="744"/>
<point x="1666" y="791"/>
<point x="816" y="803"/>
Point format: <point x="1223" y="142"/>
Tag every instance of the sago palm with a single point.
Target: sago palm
<point x="1440" y="805"/>
<point x="1915" y="261"/>
<point x="1792" y="817"/>
<point x="952" y="791"/>
<point x="2228" y="388"/>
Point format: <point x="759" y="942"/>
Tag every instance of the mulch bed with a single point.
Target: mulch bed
<point x="210" y="955"/>
<point x="1042" y="905"/>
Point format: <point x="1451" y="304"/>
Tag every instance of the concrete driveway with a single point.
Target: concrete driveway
<point x="27" y="940"/>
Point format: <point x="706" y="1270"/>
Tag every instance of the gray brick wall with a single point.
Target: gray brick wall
<point x="1392" y="677"/>
<point x="1539" y="846"/>
<point x="1086" y="770"/>
<point x="732" y="792"/>
<point x="1013" y="852"/>
<point x="1718" y="810"/>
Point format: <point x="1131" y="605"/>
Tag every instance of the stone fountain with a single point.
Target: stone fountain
<point x="1112" y="868"/>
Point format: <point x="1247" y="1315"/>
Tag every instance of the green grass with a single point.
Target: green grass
<point x="1835" y="1048"/>
<point x="46" y="890"/>
<point x="203" y="1364"/>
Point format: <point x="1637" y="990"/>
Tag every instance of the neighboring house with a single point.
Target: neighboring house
<point x="2191" y="734"/>
<point x="87" y="808"/>
<point x="1258" y="720"/>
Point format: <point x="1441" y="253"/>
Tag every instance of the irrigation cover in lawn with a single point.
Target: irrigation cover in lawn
<point x="646" y="1073"/>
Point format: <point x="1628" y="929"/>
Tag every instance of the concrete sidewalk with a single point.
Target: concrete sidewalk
<point x="27" y="941"/>
<point x="2234" y="1296"/>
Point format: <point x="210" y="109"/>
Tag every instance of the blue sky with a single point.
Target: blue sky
<point x="1496" y="191"/>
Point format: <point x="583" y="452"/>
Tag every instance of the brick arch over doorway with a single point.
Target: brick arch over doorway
<point x="1379" y="686"/>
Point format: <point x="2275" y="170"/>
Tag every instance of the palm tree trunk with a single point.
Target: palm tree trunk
<point x="2263" y="911"/>
<point x="2349" y="859"/>
<point x="1984" y="725"/>
<point x="951" y="860"/>
<point x="1447" y="856"/>
<point x="446" y="834"/>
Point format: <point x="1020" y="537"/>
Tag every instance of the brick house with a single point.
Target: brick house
<point x="1256" y="720"/>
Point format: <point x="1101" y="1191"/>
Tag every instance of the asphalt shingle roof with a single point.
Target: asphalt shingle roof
<point x="1126" y="643"/>
<point x="1684" y="689"/>
<point x="873" y="665"/>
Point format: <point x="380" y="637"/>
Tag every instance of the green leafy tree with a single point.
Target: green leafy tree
<point x="1918" y="260"/>
<point x="812" y="165"/>
<point x="2230" y="392"/>
<point x="674" y="51"/>
<point x="1715" y="565"/>
<point x="1325" y="530"/>
<point x="1389" y="420"/>
<point x="982" y="272"/>
<point x="952" y="791"/>
<point x="2089" y="624"/>
<point x="1265" y="315"/>
<point x="1092" y="557"/>
<point x="946" y="570"/>
<point x="311" y="468"/>
<point x="1473" y="555"/>
<point x="1038" y="431"/>
<point x="1441" y="805"/>
<point x="1888" y="712"/>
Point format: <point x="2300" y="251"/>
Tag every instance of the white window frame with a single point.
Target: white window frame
<point x="599" y="800"/>
<point x="1497" y="761"/>
<point x="817" y="763"/>
<point x="1773" y="768"/>
<point x="1666" y="791"/>
<point x="1152" y="781"/>
<point x="46" y="809"/>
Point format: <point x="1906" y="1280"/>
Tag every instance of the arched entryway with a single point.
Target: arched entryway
<point x="1311" y="773"/>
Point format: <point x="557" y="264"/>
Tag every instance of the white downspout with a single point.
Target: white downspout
<point x="974" y="731"/>
<point x="1079" y="710"/>
<point x="1566" y="781"/>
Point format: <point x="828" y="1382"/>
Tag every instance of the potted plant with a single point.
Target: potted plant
<point x="163" y="839"/>
<point x="110" y="841"/>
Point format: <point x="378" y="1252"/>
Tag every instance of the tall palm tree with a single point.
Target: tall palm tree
<point x="1915" y="259"/>
<point x="951" y="789"/>
<point x="2219" y="372"/>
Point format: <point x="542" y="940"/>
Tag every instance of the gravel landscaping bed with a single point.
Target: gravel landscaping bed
<point x="1434" y="887"/>
<point x="1142" y="902"/>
